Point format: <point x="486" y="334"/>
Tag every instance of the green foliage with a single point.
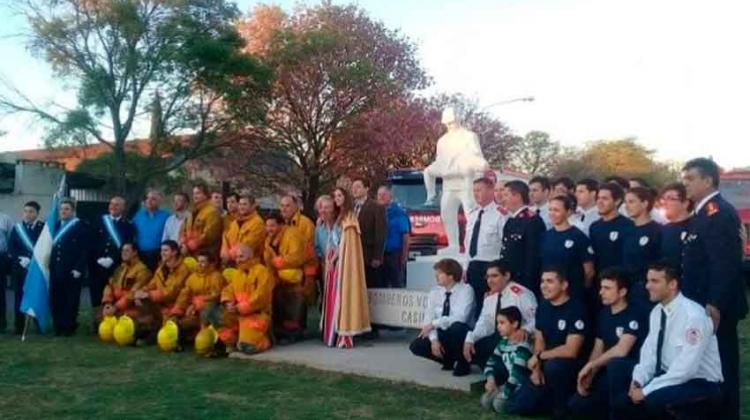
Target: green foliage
<point x="623" y="157"/>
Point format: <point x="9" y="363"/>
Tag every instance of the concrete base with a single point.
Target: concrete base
<point x="387" y="358"/>
<point x="420" y="274"/>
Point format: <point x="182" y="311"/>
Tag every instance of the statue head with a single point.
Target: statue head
<point x="450" y="118"/>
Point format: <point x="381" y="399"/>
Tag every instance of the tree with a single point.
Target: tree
<point x="623" y="157"/>
<point x="333" y="66"/>
<point x="182" y="62"/>
<point x="536" y="153"/>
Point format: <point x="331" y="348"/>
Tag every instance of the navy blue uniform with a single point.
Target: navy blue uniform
<point x="673" y="236"/>
<point x="568" y="249"/>
<point x="632" y="320"/>
<point x="610" y="327"/>
<point x="521" y="237"/>
<point x="17" y="247"/>
<point x="107" y="246"/>
<point x="607" y="240"/>
<point x="712" y="274"/>
<point x="555" y="323"/>
<point x="69" y="252"/>
<point x="642" y="247"/>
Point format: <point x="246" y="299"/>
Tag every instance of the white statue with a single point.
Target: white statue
<point x="459" y="161"/>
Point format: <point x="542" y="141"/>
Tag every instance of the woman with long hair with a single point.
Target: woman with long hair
<point x="345" y="308"/>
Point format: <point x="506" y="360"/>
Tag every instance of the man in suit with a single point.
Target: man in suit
<point x="522" y="236"/>
<point x="67" y="267"/>
<point x="23" y="237"/>
<point x="712" y="269"/>
<point x="111" y="230"/>
<point x="372" y="225"/>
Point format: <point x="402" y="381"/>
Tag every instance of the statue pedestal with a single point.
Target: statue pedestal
<point x="421" y="276"/>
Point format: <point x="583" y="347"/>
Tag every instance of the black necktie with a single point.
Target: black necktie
<point x="475" y="235"/>
<point x="447" y="304"/>
<point x="499" y="303"/>
<point x="660" y="342"/>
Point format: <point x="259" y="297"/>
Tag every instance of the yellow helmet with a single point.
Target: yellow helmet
<point x="291" y="275"/>
<point x="205" y="340"/>
<point x="124" y="331"/>
<point x="107" y="329"/>
<point x="229" y="273"/>
<point x="167" y="337"/>
<point x="191" y="263"/>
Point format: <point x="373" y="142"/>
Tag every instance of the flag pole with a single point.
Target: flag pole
<point x="25" y="328"/>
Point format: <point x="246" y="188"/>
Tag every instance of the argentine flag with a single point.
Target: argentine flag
<point x="35" y="300"/>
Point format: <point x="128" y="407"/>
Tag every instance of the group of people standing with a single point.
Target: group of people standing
<point x="216" y="262"/>
<point x="581" y="299"/>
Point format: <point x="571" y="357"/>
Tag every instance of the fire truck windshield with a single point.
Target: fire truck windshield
<point x="411" y="194"/>
<point x="737" y="192"/>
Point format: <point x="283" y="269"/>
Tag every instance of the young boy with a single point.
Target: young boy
<point x="506" y="368"/>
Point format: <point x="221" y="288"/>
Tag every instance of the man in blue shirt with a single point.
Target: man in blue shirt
<point x="620" y="330"/>
<point x="396" y="240"/>
<point x="560" y="329"/>
<point x="149" y="224"/>
<point x="608" y="232"/>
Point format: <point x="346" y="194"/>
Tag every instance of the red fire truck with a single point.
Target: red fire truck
<point x="427" y="226"/>
<point x="735" y="188"/>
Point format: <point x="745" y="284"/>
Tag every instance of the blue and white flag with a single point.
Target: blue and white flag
<point x="35" y="300"/>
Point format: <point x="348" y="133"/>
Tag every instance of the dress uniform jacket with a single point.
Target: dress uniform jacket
<point x="522" y="235"/>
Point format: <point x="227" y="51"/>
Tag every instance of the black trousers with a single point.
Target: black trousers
<point x="476" y="277"/>
<point x="452" y="340"/>
<point x="150" y="258"/>
<point x="596" y="404"/>
<point x="393" y="270"/>
<point x="4" y="271"/>
<point x="729" y="351"/>
<point x="65" y="298"/>
<point x="373" y="276"/>
<point x="696" y="399"/>
<point x="98" y="279"/>
<point x="18" y="279"/>
<point x="560" y="380"/>
<point x="483" y="349"/>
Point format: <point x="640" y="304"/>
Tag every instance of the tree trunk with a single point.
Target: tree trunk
<point x="119" y="168"/>
<point x="311" y="194"/>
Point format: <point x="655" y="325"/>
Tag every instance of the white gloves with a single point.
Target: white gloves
<point x="24" y="261"/>
<point x="76" y="274"/>
<point x="105" y="262"/>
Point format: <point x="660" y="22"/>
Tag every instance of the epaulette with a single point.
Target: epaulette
<point x="712" y="208"/>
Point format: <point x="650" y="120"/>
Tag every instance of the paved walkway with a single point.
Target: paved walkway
<point x="385" y="358"/>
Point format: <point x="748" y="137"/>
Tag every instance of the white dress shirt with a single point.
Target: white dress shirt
<point x="173" y="226"/>
<point x="461" y="302"/>
<point x="690" y="349"/>
<point x="512" y="295"/>
<point x="490" y="233"/>
<point x="582" y="219"/>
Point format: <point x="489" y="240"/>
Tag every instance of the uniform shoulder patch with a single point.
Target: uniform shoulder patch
<point x="712" y="208"/>
<point x="515" y="289"/>
<point x="693" y="336"/>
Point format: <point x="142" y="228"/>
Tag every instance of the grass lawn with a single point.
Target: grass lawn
<point x="80" y="377"/>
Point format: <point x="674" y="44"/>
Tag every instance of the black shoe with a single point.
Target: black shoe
<point x="462" y="369"/>
<point x="447" y="366"/>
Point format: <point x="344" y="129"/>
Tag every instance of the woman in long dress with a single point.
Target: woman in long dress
<point x="345" y="308"/>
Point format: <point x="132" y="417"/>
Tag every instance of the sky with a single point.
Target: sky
<point x="673" y="73"/>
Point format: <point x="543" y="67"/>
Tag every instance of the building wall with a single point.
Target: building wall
<point x="34" y="181"/>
